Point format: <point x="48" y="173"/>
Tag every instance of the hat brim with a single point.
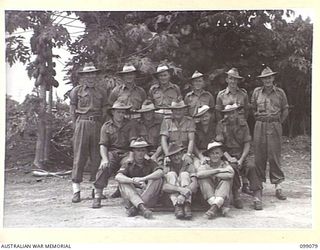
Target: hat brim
<point x="229" y="110"/>
<point x="206" y="152"/>
<point x="266" y="75"/>
<point x="234" y="76"/>
<point x="145" y="110"/>
<point x="121" y="108"/>
<point x="142" y="146"/>
<point x="89" y="71"/>
<point x="175" y="152"/>
<point x="182" y="107"/>
<point x="202" y="112"/>
<point x="164" y="70"/>
<point x="192" y="78"/>
<point x="127" y="72"/>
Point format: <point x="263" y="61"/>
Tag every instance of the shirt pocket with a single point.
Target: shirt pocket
<point x="83" y="100"/>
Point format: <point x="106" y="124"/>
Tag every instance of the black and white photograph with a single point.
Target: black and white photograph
<point x="158" y="119"/>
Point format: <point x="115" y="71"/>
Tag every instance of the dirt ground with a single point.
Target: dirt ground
<point x="46" y="202"/>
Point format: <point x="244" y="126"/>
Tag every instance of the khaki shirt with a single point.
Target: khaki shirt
<point x="151" y="131"/>
<point x="194" y="101"/>
<point x="225" y="97"/>
<point x="134" y="97"/>
<point x="164" y="97"/>
<point x="233" y="136"/>
<point x="88" y="100"/>
<point x="114" y="137"/>
<point x="271" y="104"/>
<point x="131" y="169"/>
<point x="203" y="138"/>
<point x="178" y="132"/>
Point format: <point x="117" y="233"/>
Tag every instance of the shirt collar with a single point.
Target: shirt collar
<point x="273" y="88"/>
<point x="228" y="90"/>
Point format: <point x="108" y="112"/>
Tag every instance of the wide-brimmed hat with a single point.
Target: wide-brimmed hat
<point x="211" y="145"/>
<point x="201" y="110"/>
<point x="174" y="149"/>
<point x="234" y="73"/>
<point x="146" y="106"/>
<point x="230" y="107"/>
<point x="139" y="143"/>
<point x="196" y="74"/>
<point x="178" y="105"/>
<point x="162" y="68"/>
<point x="120" y="105"/>
<point x="127" y="68"/>
<point x="88" y="68"/>
<point x="267" y="72"/>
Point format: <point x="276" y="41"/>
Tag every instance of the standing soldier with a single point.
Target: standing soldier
<point x="115" y="138"/>
<point x="205" y="130"/>
<point x="270" y="107"/>
<point x="140" y="181"/>
<point x="198" y="96"/>
<point x="164" y="92"/>
<point x="180" y="181"/>
<point x="230" y="95"/>
<point x="179" y="129"/>
<point x="233" y="94"/>
<point x="233" y="132"/>
<point x="88" y="108"/>
<point x="149" y="128"/>
<point x="128" y="92"/>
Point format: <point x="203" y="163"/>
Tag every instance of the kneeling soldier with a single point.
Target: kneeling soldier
<point x="215" y="179"/>
<point x="180" y="181"/>
<point x="140" y="181"/>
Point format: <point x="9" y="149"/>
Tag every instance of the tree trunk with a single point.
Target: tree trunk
<point x="39" y="160"/>
<point x="48" y="125"/>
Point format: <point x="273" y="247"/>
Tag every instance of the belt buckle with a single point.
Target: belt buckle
<point x="91" y="118"/>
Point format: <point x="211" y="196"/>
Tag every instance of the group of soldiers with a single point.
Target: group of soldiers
<point x="161" y="145"/>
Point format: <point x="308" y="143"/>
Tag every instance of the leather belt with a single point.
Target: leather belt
<point x="268" y="119"/>
<point x="94" y="118"/>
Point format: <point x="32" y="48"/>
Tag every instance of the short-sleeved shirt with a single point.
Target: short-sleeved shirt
<point x="163" y="97"/>
<point x="131" y="169"/>
<point x="196" y="100"/>
<point x="183" y="167"/>
<point x="225" y="97"/>
<point x="88" y="100"/>
<point x="269" y="104"/>
<point x="118" y="138"/>
<point x="178" y="131"/>
<point x="233" y="136"/>
<point x="151" y="131"/>
<point x="202" y="137"/>
<point x="134" y="97"/>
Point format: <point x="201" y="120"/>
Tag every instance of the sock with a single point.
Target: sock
<point x="98" y="193"/>
<point x="278" y="186"/>
<point x="219" y="201"/>
<point x="75" y="187"/>
<point x="211" y="200"/>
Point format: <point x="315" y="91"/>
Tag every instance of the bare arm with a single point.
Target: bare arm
<point x="164" y="144"/>
<point x="284" y="115"/>
<point x="121" y="178"/>
<point x="193" y="185"/>
<point x="191" y="142"/>
<point x="153" y="176"/>
<point x="245" y="153"/>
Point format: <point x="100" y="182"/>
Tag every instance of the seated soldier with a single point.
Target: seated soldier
<point x="140" y="181"/>
<point x="215" y="179"/>
<point x="180" y="181"/>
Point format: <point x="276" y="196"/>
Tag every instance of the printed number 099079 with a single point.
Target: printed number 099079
<point x="308" y="245"/>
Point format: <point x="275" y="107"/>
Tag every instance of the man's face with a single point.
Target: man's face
<point x="129" y="77"/>
<point x="198" y="83"/>
<point x="164" y="77"/>
<point x="205" y="118"/>
<point x="268" y="81"/>
<point x="231" y="116"/>
<point x="148" y="116"/>
<point x="118" y="115"/>
<point x="215" y="155"/>
<point x="177" y="158"/>
<point x="232" y="82"/>
<point x="88" y="79"/>
<point x="178" y="113"/>
<point x="139" y="153"/>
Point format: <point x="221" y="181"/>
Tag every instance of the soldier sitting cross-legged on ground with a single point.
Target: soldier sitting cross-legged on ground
<point x="180" y="181"/>
<point x="140" y="181"/>
<point x="215" y="179"/>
